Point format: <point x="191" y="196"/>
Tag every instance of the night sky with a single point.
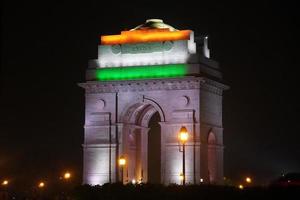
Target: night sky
<point x="45" y="48"/>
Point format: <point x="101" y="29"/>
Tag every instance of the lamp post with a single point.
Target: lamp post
<point x="183" y="137"/>
<point x="122" y="163"/>
<point x="65" y="185"/>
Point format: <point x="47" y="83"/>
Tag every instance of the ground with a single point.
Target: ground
<point x="157" y="192"/>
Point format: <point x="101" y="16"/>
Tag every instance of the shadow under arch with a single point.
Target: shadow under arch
<point x="212" y="157"/>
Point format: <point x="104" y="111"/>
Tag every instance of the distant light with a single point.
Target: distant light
<point x="5" y="182"/>
<point x="241" y="187"/>
<point x="41" y="185"/>
<point x="133" y="181"/>
<point x="248" y="180"/>
<point x="201" y="180"/>
<point x="67" y="175"/>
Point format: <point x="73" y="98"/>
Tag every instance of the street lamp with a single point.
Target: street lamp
<point x="41" y="184"/>
<point x="183" y="137"/>
<point x="5" y="182"/>
<point x="67" y="175"/>
<point x="133" y="181"/>
<point x="122" y="163"/>
<point x="248" y="180"/>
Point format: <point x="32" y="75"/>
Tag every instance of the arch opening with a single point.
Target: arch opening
<point x="212" y="157"/>
<point x="154" y="150"/>
<point x="142" y="143"/>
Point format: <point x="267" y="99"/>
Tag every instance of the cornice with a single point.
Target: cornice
<point x="186" y="83"/>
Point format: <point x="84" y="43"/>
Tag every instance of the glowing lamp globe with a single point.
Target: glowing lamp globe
<point x="122" y="161"/>
<point x="183" y="134"/>
<point x="248" y="180"/>
<point x="5" y="182"/>
<point x="41" y="185"/>
<point x="67" y="175"/>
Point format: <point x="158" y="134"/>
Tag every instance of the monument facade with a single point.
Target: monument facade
<point x="147" y="84"/>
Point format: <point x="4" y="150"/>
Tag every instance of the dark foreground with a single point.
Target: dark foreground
<point x="159" y="192"/>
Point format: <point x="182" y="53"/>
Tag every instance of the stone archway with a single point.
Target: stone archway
<point x="128" y="83"/>
<point x="135" y="138"/>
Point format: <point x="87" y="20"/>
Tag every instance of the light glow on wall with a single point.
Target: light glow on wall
<point x="141" y="72"/>
<point x="96" y="168"/>
<point x="152" y="35"/>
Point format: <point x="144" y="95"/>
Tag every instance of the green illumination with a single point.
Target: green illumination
<point x="141" y="72"/>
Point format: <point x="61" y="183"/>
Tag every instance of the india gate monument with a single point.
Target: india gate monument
<point x="146" y="86"/>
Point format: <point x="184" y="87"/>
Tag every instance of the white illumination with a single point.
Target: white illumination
<point x="179" y="53"/>
<point x="96" y="168"/>
<point x="191" y="44"/>
<point x="133" y="181"/>
<point x="206" y="51"/>
<point x="201" y="180"/>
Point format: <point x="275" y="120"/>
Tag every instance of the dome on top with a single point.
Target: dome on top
<point x="154" y="24"/>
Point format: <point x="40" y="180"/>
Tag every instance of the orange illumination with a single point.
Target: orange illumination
<point x="248" y="180"/>
<point x="122" y="161"/>
<point x="183" y="134"/>
<point x="41" y="185"/>
<point x="5" y="182"/>
<point x="138" y="36"/>
<point x="67" y="175"/>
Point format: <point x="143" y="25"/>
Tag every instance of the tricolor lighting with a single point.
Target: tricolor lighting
<point x="141" y="72"/>
<point x="139" y="36"/>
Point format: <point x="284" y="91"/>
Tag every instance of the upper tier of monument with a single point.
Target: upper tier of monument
<point x="154" y="24"/>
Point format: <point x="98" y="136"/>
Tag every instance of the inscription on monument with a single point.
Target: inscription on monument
<point x="142" y="47"/>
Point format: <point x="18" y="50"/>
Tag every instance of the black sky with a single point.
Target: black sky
<point x="45" y="47"/>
